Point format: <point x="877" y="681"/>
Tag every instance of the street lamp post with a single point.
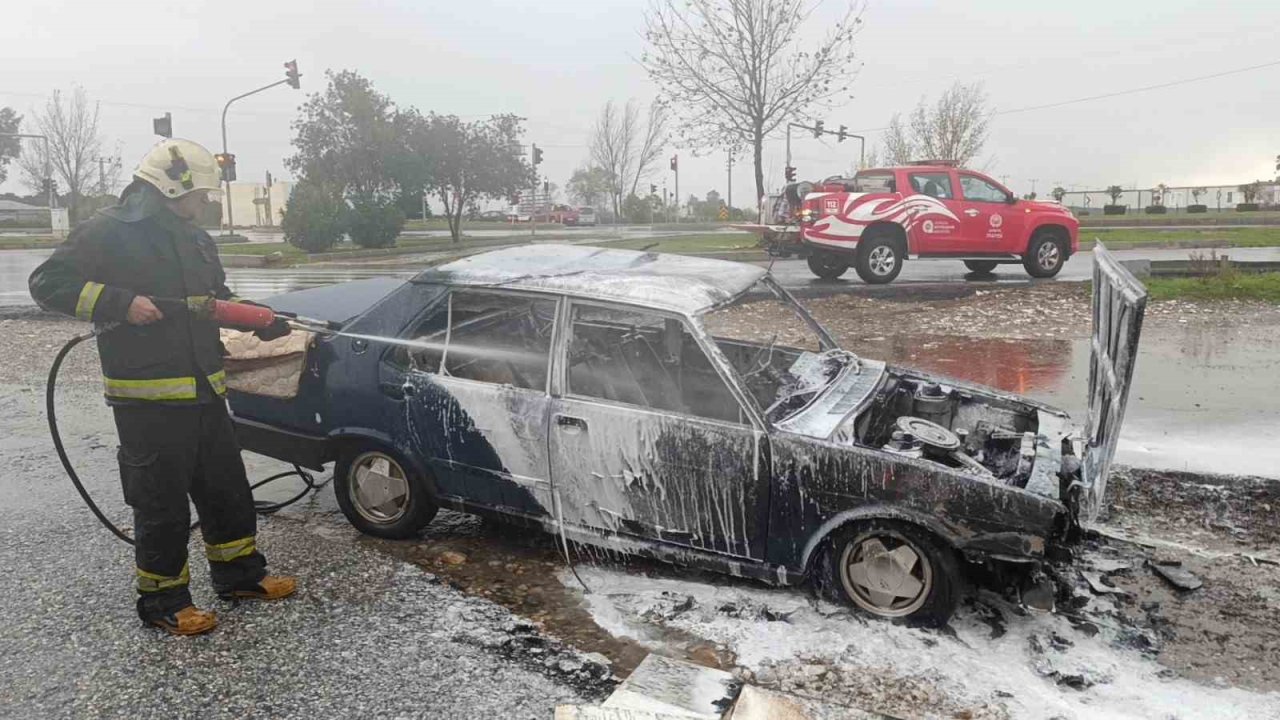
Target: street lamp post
<point x="291" y="78"/>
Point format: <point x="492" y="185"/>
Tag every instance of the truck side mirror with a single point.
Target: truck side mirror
<point x="1011" y="199"/>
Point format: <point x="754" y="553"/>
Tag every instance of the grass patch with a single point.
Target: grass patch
<point x="14" y="242"/>
<point x="1180" y="218"/>
<point x="695" y="243"/>
<point x="1236" y="236"/>
<point x="1224" y="286"/>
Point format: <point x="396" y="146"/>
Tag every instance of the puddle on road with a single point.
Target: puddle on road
<point x="1203" y="397"/>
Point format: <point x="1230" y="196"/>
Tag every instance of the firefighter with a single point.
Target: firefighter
<point x="143" y="264"/>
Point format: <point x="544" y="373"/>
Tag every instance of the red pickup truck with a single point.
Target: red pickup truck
<point x="879" y="218"/>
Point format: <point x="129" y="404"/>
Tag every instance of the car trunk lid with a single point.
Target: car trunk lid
<point x="1119" y="303"/>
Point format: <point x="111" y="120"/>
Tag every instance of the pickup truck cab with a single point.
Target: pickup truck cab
<point x="881" y="217"/>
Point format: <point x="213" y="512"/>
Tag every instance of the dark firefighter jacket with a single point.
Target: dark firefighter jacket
<point x="139" y="247"/>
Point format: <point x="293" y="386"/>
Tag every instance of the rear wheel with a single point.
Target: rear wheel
<point x="892" y="570"/>
<point x="1045" y="255"/>
<point x="983" y="267"/>
<point x="879" y="259"/>
<point x="826" y="265"/>
<point x="380" y="494"/>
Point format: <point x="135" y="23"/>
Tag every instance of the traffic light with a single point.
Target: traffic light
<point x="546" y="187"/>
<point x="48" y="186"/>
<point x="791" y="174"/>
<point x="227" y="163"/>
<point x="817" y="128"/>
<point x="515" y="199"/>
<point x="292" y="75"/>
<point x="163" y="126"/>
<point x="675" y="163"/>
<point x="844" y="132"/>
<point x="537" y="155"/>
<point x="653" y="189"/>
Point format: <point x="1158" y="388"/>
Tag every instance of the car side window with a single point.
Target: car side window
<point x="647" y="360"/>
<point x="489" y="337"/>
<point x="979" y="190"/>
<point x="936" y="185"/>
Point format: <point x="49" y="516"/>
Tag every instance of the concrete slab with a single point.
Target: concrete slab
<point x="756" y="703"/>
<point x="664" y="685"/>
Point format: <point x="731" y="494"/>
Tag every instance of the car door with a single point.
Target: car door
<point x="933" y="223"/>
<point x="476" y="398"/>
<point x="647" y="439"/>
<point x="990" y="223"/>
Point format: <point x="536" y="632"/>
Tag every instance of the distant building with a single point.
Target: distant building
<point x="16" y="212"/>
<point x="256" y="204"/>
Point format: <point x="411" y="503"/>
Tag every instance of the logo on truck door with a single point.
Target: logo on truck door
<point x="997" y="220"/>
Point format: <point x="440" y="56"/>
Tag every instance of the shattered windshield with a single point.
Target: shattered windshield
<point x="781" y="354"/>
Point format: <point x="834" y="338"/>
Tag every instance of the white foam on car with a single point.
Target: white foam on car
<point x="969" y="666"/>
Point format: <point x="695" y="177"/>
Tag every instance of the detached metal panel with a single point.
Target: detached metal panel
<point x="1119" y="303"/>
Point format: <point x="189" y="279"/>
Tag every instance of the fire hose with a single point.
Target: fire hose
<point x="239" y="316"/>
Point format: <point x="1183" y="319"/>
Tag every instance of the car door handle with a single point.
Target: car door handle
<point x="971" y="212"/>
<point x="571" y="423"/>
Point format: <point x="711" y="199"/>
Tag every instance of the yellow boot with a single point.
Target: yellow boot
<point x="190" y="620"/>
<point x="271" y="587"/>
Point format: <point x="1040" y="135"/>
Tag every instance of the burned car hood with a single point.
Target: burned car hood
<point x="337" y="303"/>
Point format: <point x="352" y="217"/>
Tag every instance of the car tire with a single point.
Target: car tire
<point x="879" y="259"/>
<point x="827" y="265"/>
<point x="926" y="593"/>
<point x="1046" y="254"/>
<point x="396" y="505"/>
<point x="982" y="267"/>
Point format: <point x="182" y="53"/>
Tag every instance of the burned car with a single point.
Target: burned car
<point x="689" y="410"/>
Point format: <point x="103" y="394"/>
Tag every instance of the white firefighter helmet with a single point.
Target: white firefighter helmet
<point x="176" y="167"/>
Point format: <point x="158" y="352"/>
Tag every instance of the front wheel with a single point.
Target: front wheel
<point x="1045" y="256"/>
<point x="380" y="494"/>
<point x="879" y="260"/>
<point x="827" y="266"/>
<point x="892" y="570"/>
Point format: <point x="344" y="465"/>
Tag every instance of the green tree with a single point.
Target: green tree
<point x="1115" y="191"/>
<point x="1058" y="193"/>
<point x="469" y="161"/>
<point x="9" y="146"/>
<point x="315" y="218"/>
<point x="348" y="138"/>
<point x="373" y="223"/>
<point x="1196" y="193"/>
<point x="588" y="186"/>
<point x="1250" y="191"/>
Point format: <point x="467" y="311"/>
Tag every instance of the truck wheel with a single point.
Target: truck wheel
<point x="982" y="267"/>
<point x="879" y="259"/>
<point x="893" y="570"/>
<point x="1045" y="255"/>
<point x="827" y="265"/>
<point x="380" y="494"/>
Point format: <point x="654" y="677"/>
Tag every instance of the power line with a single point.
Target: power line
<point x="1120" y="93"/>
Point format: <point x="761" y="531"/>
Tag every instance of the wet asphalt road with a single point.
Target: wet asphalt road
<point x="366" y="636"/>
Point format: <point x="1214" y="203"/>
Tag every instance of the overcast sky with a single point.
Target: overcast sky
<point x="556" y="62"/>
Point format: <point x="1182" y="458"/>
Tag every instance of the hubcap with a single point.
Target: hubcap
<point x="881" y="260"/>
<point x="886" y="575"/>
<point x="1048" y="256"/>
<point x="379" y="488"/>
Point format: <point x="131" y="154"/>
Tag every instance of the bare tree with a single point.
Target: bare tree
<point x="955" y="128"/>
<point x="899" y="147"/>
<point x="71" y="124"/>
<point x="735" y="70"/>
<point x="626" y="147"/>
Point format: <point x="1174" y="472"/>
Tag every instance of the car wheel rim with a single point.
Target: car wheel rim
<point x="379" y="488"/>
<point x="1048" y="256"/>
<point x="881" y="260"/>
<point x="886" y="575"/>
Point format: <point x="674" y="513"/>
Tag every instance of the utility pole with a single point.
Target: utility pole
<point x="729" y="199"/>
<point x="291" y="77"/>
<point x="102" y="172"/>
<point x="675" y="167"/>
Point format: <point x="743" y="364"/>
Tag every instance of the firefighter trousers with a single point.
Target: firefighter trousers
<point x="167" y="454"/>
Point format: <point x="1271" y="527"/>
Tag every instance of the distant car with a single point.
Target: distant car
<point x="879" y="218"/>
<point x="586" y="217"/>
<point x="492" y="216"/>
<point x="637" y="402"/>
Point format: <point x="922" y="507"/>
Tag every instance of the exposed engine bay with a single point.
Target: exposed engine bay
<point x="863" y="402"/>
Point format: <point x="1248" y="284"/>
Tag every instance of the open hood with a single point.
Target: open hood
<point x="1119" y="302"/>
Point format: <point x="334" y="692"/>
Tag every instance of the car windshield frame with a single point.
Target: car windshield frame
<point x="826" y="341"/>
